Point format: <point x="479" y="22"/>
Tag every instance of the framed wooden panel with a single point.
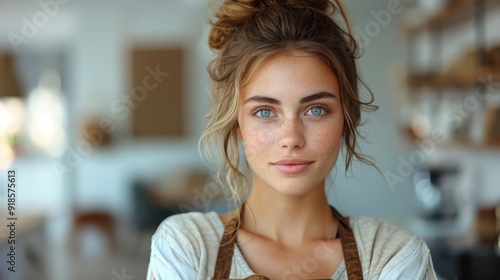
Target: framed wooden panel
<point x="157" y="92"/>
<point x="492" y="124"/>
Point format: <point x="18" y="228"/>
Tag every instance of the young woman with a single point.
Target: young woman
<point x="285" y="90"/>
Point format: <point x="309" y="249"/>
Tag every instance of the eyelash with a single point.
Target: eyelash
<point x="325" y="108"/>
<point x="256" y="111"/>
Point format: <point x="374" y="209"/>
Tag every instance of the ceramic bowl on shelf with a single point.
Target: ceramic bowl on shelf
<point x="431" y="6"/>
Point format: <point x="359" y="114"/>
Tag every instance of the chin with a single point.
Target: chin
<point x="294" y="188"/>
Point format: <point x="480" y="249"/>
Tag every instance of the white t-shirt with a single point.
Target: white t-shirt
<point x="185" y="246"/>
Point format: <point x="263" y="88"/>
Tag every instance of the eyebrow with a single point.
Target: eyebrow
<point x="307" y="99"/>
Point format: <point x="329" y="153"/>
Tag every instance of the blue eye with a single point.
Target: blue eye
<point x="317" y="111"/>
<point x="264" y="113"/>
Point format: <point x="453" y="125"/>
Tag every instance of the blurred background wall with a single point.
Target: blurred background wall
<point x="109" y="103"/>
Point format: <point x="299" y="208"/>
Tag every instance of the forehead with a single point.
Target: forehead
<point x="292" y="74"/>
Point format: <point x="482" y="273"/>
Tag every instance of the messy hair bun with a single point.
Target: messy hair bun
<point x="232" y="14"/>
<point x="244" y="34"/>
<point x="229" y="16"/>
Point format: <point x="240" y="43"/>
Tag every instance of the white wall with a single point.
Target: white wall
<point x="366" y="192"/>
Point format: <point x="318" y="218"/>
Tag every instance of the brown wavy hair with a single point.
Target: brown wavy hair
<point x="244" y="34"/>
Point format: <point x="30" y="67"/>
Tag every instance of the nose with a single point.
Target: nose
<point x="292" y="134"/>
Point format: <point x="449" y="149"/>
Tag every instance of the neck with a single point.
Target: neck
<point x="289" y="220"/>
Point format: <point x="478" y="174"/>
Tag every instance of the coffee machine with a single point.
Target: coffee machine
<point x="436" y="192"/>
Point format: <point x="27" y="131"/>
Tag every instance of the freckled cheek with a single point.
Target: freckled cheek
<point x="328" y="140"/>
<point x="265" y="136"/>
<point x="258" y="141"/>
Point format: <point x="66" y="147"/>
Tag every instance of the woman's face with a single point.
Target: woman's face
<point x="291" y="123"/>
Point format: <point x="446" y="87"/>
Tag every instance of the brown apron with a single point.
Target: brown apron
<point x="351" y="257"/>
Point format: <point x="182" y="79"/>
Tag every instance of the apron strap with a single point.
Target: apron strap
<point x="349" y="249"/>
<point x="226" y="249"/>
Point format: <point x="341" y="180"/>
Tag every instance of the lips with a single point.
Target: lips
<point x="292" y="166"/>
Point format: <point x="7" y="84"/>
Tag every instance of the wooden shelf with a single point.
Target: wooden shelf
<point x="490" y="145"/>
<point x="455" y="144"/>
<point x="452" y="14"/>
<point x="435" y="81"/>
<point x="474" y="68"/>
